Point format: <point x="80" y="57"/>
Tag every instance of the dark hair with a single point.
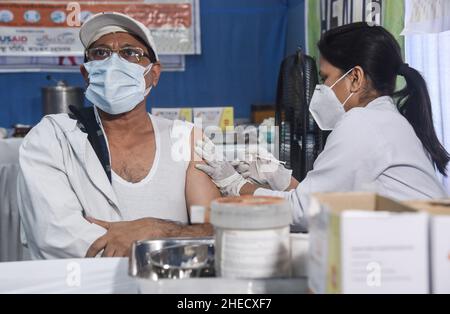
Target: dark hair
<point x="377" y="52"/>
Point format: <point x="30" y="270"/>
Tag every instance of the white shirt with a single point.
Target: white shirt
<point x="372" y="149"/>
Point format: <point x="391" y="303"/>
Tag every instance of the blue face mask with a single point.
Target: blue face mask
<point x="116" y="86"/>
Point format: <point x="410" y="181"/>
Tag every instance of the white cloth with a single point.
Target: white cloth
<point x="372" y="149"/>
<point x="426" y="16"/>
<point x="9" y="150"/>
<point x="68" y="276"/>
<point x="60" y="178"/>
<point x="429" y="54"/>
<point x="158" y="195"/>
<point x="10" y="246"/>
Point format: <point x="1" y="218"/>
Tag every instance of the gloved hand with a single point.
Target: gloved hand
<point x="264" y="169"/>
<point x="222" y="173"/>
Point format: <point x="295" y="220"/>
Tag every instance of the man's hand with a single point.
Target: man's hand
<point x="120" y="236"/>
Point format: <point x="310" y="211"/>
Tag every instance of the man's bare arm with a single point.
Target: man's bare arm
<point x="200" y="190"/>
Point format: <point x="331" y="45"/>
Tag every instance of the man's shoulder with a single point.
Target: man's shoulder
<point x="62" y="121"/>
<point x="49" y="129"/>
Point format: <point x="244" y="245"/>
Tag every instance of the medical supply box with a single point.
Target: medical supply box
<point x="366" y="244"/>
<point x="439" y="212"/>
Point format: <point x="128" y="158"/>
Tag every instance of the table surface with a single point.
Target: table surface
<point x="110" y="275"/>
<point x="106" y="275"/>
<point x="224" y="286"/>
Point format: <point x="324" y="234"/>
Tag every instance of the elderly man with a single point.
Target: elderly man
<point x="101" y="178"/>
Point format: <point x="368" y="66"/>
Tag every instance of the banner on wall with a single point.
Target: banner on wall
<point x="44" y="36"/>
<point x="324" y="15"/>
<point x="335" y="13"/>
<point x="50" y="29"/>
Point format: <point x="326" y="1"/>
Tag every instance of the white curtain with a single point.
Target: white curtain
<point x="430" y="54"/>
<point x="426" y="16"/>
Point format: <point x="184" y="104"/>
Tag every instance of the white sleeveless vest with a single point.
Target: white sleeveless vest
<point x="161" y="194"/>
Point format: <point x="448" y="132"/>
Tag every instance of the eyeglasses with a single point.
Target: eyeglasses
<point x="131" y="54"/>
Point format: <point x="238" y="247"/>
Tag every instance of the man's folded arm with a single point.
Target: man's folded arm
<point x="50" y="211"/>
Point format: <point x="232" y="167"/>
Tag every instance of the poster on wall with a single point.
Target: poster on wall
<point x="324" y="15"/>
<point x="44" y="35"/>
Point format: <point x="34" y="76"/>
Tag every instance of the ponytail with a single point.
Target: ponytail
<point x="415" y="105"/>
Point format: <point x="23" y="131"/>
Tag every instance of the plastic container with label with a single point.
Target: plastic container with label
<point x="252" y="237"/>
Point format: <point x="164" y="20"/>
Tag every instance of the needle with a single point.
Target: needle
<point x="272" y="160"/>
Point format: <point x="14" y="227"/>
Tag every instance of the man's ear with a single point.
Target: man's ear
<point x="156" y="73"/>
<point x="85" y="74"/>
<point x="358" y="77"/>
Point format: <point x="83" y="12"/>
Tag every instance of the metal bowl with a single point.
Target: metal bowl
<point x="183" y="261"/>
<point x="140" y="264"/>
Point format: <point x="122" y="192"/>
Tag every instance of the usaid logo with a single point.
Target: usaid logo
<point x="7" y="40"/>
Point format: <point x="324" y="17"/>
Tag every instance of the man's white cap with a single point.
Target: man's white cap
<point x="104" y="23"/>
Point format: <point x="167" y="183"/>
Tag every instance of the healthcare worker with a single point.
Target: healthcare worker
<point x="376" y="145"/>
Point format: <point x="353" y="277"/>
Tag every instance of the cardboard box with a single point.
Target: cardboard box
<point x="222" y="117"/>
<point x="183" y="114"/>
<point x="439" y="243"/>
<point x="367" y="244"/>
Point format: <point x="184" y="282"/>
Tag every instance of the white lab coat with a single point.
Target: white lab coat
<point x="60" y="176"/>
<point x="372" y="149"/>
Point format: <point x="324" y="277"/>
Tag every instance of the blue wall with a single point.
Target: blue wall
<point x="243" y="44"/>
<point x="295" y="36"/>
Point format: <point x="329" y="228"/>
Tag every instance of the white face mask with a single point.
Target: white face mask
<point x="325" y="107"/>
<point x="116" y="86"/>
